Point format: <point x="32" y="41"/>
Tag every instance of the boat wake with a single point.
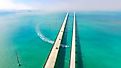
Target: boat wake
<point x="42" y="37"/>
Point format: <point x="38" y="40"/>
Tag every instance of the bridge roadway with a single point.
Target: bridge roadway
<point x="72" y="60"/>
<point x="51" y="60"/>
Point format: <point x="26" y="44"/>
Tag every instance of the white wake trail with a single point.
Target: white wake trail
<point x="41" y="36"/>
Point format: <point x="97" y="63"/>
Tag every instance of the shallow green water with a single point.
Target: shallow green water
<point x="31" y="35"/>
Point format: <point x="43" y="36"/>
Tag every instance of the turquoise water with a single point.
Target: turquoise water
<point x="32" y="34"/>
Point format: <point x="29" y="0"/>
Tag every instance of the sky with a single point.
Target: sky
<point x="60" y="5"/>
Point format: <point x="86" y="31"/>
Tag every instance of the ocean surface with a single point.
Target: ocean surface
<point x="30" y="36"/>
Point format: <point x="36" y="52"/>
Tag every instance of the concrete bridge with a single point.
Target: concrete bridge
<point x="51" y="60"/>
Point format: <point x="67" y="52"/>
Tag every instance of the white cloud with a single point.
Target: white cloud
<point x="81" y="5"/>
<point x="61" y="5"/>
<point x="10" y="4"/>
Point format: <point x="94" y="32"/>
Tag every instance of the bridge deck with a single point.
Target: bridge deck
<point x="72" y="60"/>
<point x="50" y="63"/>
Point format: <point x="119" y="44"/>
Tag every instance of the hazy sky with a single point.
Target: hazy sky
<point x="58" y="5"/>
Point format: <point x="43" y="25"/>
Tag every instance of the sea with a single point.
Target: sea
<point x="26" y="37"/>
